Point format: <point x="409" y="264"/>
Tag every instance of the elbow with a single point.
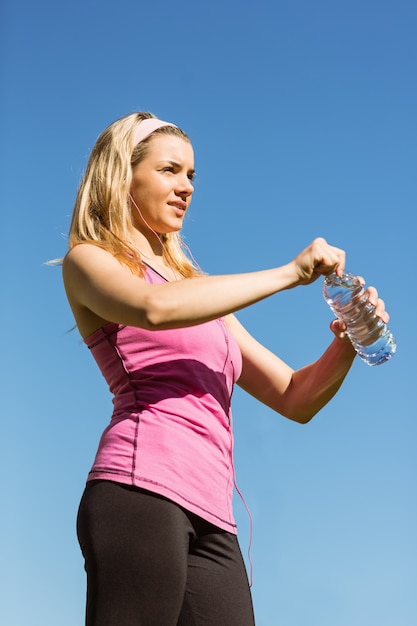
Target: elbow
<point x="152" y="321"/>
<point x="301" y="415"/>
<point x="303" y="418"/>
<point x="301" y="404"/>
<point x="296" y="406"/>
<point x="157" y="315"/>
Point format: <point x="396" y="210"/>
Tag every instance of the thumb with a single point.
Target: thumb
<point x="338" y="328"/>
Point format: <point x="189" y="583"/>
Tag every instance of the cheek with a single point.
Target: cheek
<point x="141" y="194"/>
<point x="149" y="189"/>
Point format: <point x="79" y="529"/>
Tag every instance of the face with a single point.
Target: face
<point x="162" y="185"/>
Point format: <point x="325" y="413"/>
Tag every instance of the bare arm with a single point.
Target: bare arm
<point x="297" y="395"/>
<point x="96" y="281"/>
<point x="98" y="285"/>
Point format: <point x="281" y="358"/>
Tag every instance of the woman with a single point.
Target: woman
<point x="155" y="522"/>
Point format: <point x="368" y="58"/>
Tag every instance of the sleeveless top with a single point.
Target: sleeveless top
<point x="171" y="430"/>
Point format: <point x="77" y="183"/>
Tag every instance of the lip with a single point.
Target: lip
<point x="178" y="205"/>
<point x="179" y="208"/>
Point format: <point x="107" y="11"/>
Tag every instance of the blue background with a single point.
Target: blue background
<point x="303" y="119"/>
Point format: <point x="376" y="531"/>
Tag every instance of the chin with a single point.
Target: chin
<point x="173" y="229"/>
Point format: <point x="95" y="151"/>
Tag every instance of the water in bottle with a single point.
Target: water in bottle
<point x="369" y="335"/>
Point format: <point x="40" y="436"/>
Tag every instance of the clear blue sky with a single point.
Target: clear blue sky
<point x="303" y="119"/>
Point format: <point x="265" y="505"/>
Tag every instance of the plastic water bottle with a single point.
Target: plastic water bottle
<point x="369" y="335"/>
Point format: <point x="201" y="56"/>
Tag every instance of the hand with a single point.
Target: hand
<point x="376" y="301"/>
<point x="339" y="328"/>
<point x="318" y="259"/>
<point x="378" y="304"/>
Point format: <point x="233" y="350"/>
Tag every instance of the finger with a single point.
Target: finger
<point x="338" y="328"/>
<point x="378" y="303"/>
<point x="381" y="312"/>
<point x="372" y="295"/>
<point x="329" y="258"/>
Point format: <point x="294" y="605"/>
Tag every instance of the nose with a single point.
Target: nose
<point x="185" y="187"/>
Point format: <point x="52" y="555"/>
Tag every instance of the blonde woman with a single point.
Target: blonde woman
<point x="155" y="522"/>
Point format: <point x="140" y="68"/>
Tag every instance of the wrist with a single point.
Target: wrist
<point x="344" y="346"/>
<point x="290" y="275"/>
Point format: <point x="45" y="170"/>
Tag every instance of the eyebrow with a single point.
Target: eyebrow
<point x="178" y="165"/>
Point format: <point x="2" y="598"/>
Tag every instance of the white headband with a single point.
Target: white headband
<point x="146" y="127"/>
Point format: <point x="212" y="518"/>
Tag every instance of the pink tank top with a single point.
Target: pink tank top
<point x="170" y="431"/>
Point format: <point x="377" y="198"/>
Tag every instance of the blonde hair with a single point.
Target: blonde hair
<point x="102" y="211"/>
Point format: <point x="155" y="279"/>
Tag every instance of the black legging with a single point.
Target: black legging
<point x="151" y="563"/>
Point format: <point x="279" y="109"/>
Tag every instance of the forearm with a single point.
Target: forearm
<point x="313" y="386"/>
<point x="201" y="299"/>
<point x="97" y="282"/>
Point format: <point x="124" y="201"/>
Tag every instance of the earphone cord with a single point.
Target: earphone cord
<point x="247" y="511"/>
<point x="240" y="494"/>
<point x="163" y="246"/>
<point x="232" y="461"/>
<point x="250" y="528"/>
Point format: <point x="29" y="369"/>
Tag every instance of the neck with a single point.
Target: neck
<point x="148" y="247"/>
<point x="151" y="252"/>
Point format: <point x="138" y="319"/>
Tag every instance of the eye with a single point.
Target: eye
<point x="168" y="168"/>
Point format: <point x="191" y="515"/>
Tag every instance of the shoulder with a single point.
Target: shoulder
<point x="85" y="258"/>
<point x="82" y="252"/>
<point x="86" y="264"/>
<point x="97" y="285"/>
